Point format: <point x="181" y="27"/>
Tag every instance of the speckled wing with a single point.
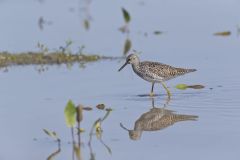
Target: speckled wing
<point x="162" y="72"/>
<point x="160" y="118"/>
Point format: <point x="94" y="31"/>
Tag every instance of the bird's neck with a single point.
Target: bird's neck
<point x="135" y="65"/>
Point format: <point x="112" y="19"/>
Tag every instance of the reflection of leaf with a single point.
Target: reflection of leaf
<point x="127" y="46"/>
<point x="225" y="33"/>
<point x="54" y="154"/>
<point x="51" y="134"/>
<point x="100" y="106"/>
<point x="196" y="86"/>
<point x="184" y="86"/>
<point x="126" y="15"/>
<point x="157" y="32"/>
<point x="77" y="151"/>
<point x="86" y="24"/>
<point x="70" y="114"/>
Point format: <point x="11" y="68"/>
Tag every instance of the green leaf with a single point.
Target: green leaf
<point x="50" y="133"/>
<point x="126" y="15"/>
<point x="181" y="86"/>
<point x="70" y="114"/>
<point x="127" y="46"/>
<point x="184" y="86"/>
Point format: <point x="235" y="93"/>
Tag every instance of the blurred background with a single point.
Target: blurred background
<point x="189" y="34"/>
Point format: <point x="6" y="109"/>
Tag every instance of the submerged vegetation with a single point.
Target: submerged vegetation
<point x="74" y="117"/>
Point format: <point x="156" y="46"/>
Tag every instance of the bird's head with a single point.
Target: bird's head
<point x="131" y="59"/>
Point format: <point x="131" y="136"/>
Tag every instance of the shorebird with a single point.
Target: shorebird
<point x="154" y="72"/>
<point x="156" y="119"/>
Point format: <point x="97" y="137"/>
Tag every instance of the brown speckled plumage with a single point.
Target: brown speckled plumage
<point x="154" y="72"/>
<point x="157" y="119"/>
<point x="158" y="72"/>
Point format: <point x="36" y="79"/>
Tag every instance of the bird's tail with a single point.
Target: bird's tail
<point x="185" y="117"/>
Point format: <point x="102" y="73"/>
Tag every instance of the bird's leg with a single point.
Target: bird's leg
<point x="153" y="105"/>
<point x="167" y="102"/>
<point x="165" y="87"/>
<point x="151" y="93"/>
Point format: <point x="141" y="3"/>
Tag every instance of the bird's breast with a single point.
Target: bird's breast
<point x="145" y="74"/>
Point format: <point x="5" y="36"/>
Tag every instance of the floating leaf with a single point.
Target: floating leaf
<point x="225" y="33"/>
<point x="196" y="86"/>
<point x="127" y="46"/>
<point x="157" y="32"/>
<point x="79" y="113"/>
<point x="86" y="24"/>
<point x="87" y="108"/>
<point x="181" y="86"/>
<point x="51" y="134"/>
<point x="70" y="114"/>
<point x="184" y="86"/>
<point x="126" y="15"/>
<point x="100" y="106"/>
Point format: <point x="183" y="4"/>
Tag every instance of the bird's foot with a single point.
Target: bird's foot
<point x="151" y="94"/>
<point x="169" y="94"/>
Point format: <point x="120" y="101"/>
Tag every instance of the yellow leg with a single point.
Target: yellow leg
<point x="165" y="87"/>
<point x="151" y="93"/>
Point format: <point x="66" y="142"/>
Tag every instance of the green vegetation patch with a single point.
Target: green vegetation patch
<point x="41" y="58"/>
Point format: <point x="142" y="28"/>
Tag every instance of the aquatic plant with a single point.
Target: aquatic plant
<point x="73" y="117"/>
<point x="184" y="86"/>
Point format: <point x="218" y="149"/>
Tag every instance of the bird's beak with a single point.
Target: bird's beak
<point x="123" y="66"/>
<point x="121" y="125"/>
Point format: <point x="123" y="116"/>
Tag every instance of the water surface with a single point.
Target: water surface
<point x="31" y="101"/>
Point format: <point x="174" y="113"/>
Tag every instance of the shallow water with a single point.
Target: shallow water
<point x="31" y="101"/>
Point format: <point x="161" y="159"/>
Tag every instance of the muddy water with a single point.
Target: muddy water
<point x="31" y="101"/>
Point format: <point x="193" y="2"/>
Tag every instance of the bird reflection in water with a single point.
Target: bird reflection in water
<point x="156" y="119"/>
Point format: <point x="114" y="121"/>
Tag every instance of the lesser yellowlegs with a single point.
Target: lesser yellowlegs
<point x="156" y="119"/>
<point x="154" y="72"/>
